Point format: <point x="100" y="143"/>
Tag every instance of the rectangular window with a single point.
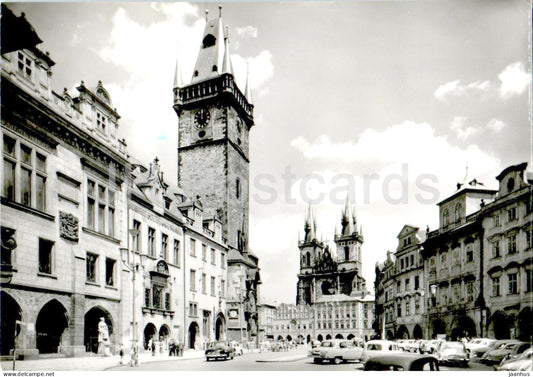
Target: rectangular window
<point x="417" y="282"/>
<point x="25" y="186"/>
<point x="193" y="309"/>
<point x="204" y="288"/>
<point x="177" y="253"/>
<point x="164" y="246"/>
<point x="407" y="309"/>
<point x="204" y="252"/>
<point x="110" y="272"/>
<point x="91" y="265"/>
<point x="213" y="256"/>
<point x="90" y="204"/>
<point x="223" y="288"/>
<point x="511" y="245"/>
<point x="45" y="256"/>
<point x="398" y="287"/>
<point x="222" y="260"/>
<point x="529" y="282"/>
<point x="528" y="239"/>
<point x="167" y="301"/>
<point x="496" y="249"/>
<point x="513" y="283"/>
<point x="9" y="180"/>
<point x="101" y="121"/>
<point x="511" y="214"/>
<point x="25" y="65"/>
<point x="101" y="218"/>
<point x="407" y="285"/>
<point x="151" y="242"/>
<point x="100" y="200"/>
<point x="192" y="280"/>
<point x="192" y="246"/>
<point x="213" y="285"/>
<point x="40" y="188"/>
<point x="470" y="292"/>
<point x="469" y="253"/>
<point x="136" y="238"/>
<point x="496" y="286"/>
<point x="147" y="297"/>
<point x="496" y="220"/>
<point x="157" y="296"/>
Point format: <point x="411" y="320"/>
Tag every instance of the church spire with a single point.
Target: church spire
<point x="347" y="219"/>
<point x="309" y="226"/>
<point x="226" y="65"/>
<point x="248" y="90"/>
<point x="211" y="55"/>
<point x="178" y="80"/>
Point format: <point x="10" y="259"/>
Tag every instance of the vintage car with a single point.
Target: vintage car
<point x="510" y="349"/>
<point x="497" y="344"/>
<point x="402" y="362"/>
<point x="379" y="347"/>
<point x="453" y="353"/>
<point x="219" y="350"/>
<point x="336" y="351"/>
<point x="521" y="363"/>
<point x="478" y="346"/>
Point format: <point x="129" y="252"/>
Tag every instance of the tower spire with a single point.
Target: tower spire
<point x="347" y="220"/>
<point x="210" y="57"/>
<point x="226" y="65"/>
<point x="178" y="80"/>
<point x="248" y="90"/>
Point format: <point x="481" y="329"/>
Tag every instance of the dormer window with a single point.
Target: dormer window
<point x="25" y="65"/>
<point x="196" y="73"/>
<point x="510" y="184"/>
<point x="101" y="121"/>
<point x="209" y="41"/>
<point x="214" y="69"/>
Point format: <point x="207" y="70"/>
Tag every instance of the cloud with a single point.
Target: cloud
<point x="463" y="131"/>
<point x="247" y="31"/>
<point x="496" y="125"/>
<point x="514" y="80"/>
<point x="261" y="69"/>
<point x="456" y="89"/>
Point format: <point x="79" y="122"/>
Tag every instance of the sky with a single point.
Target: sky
<point x="393" y="99"/>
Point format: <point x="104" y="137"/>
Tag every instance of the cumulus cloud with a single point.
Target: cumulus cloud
<point x="456" y="89"/>
<point x="261" y="68"/>
<point x="248" y="31"/>
<point x="514" y="80"/>
<point x="496" y="125"/>
<point x="463" y="130"/>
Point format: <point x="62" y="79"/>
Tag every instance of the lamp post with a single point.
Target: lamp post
<point x="133" y="265"/>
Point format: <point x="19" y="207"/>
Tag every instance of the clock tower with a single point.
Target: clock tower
<point x="215" y="118"/>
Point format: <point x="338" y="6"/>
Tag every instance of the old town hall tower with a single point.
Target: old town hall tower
<point x="215" y="119"/>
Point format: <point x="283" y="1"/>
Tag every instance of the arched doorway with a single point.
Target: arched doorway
<point x="164" y="333"/>
<point x="220" y="327"/>
<point x="300" y="339"/>
<point x="463" y="327"/>
<point x="289" y="338"/>
<point x="308" y="338"/>
<point x="525" y="329"/>
<point x="50" y="325"/>
<point x="149" y="333"/>
<point x="350" y="336"/>
<point x="320" y="337"/>
<point x="499" y="326"/>
<point x="339" y="336"/>
<point x="439" y="327"/>
<point x="328" y="337"/>
<point x="10" y="312"/>
<point x="417" y="332"/>
<point x="193" y="333"/>
<point x="90" y="327"/>
<point x="280" y="338"/>
<point x="402" y="333"/>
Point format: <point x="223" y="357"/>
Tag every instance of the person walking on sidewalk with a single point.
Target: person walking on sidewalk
<point x="121" y="353"/>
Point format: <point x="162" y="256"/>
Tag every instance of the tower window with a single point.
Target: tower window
<point x="214" y="69"/>
<point x="196" y="73"/>
<point x="346" y="253"/>
<point x="209" y="41"/>
<point x="238" y="188"/>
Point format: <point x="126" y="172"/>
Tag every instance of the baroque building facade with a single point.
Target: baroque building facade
<point x="89" y="232"/>
<point x="400" y="289"/>
<point x="478" y="264"/>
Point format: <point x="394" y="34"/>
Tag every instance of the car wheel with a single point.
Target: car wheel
<point x="207" y="359"/>
<point x="464" y="364"/>
<point x="316" y="360"/>
<point x="231" y="357"/>
<point x="337" y="360"/>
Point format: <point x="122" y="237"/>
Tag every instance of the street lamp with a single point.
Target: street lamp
<point x="133" y="264"/>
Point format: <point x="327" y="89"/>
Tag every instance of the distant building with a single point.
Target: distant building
<point x="267" y="314"/>
<point x="293" y="323"/>
<point x="400" y="289"/>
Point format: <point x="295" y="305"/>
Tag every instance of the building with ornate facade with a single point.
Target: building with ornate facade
<point x="330" y="283"/>
<point x="400" y="289"/>
<point x="89" y="232"/>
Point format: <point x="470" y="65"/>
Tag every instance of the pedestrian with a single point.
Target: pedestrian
<point x="121" y="353"/>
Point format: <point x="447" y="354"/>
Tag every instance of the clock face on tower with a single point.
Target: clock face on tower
<point x="201" y="118"/>
<point x="233" y="313"/>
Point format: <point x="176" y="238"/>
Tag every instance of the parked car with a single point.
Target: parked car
<point x="497" y="344"/>
<point x="238" y="348"/>
<point x="429" y="346"/>
<point x="219" y="350"/>
<point x="379" y="347"/>
<point x="504" y="351"/>
<point x="452" y="353"/>
<point x="523" y="362"/>
<point x="336" y="351"/>
<point x="478" y="346"/>
<point x="402" y="362"/>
